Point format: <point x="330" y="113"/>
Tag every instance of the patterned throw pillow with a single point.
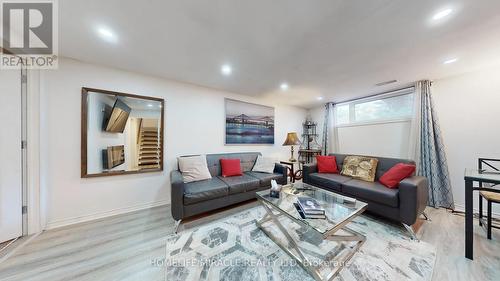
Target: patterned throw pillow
<point x="359" y="167"/>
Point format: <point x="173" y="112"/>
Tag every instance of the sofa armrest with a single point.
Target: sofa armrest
<point x="177" y="194"/>
<point x="281" y="169"/>
<point x="413" y="195"/>
<point x="308" y="169"/>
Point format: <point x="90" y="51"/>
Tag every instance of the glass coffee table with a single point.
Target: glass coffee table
<point x="321" y="246"/>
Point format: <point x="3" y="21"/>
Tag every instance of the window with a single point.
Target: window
<point x="384" y="108"/>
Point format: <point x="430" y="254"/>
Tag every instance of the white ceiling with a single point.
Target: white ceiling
<point x="330" y="48"/>
<point x="141" y="104"/>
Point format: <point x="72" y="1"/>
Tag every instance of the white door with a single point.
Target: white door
<point x="10" y="155"/>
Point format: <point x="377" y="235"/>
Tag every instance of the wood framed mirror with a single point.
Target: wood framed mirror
<point x="121" y="133"/>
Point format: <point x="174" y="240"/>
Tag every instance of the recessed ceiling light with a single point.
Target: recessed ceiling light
<point x="284" y="86"/>
<point x="450" y="61"/>
<point x="442" y="14"/>
<point x="319" y="98"/>
<point x="107" y="34"/>
<point x="150" y="105"/>
<point x="226" y="69"/>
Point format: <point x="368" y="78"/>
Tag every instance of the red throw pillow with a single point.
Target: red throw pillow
<point x="327" y="164"/>
<point x="230" y="167"/>
<point x="396" y="174"/>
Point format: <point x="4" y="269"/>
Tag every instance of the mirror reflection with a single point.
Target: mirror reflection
<point x="123" y="134"/>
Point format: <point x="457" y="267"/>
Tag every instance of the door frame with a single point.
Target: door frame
<point x="12" y="186"/>
<point x="32" y="209"/>
<point x="24" y="149"/>
<point x="35" y="196"/>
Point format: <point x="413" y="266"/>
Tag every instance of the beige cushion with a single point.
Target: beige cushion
<point x="264" y="165"/>
<point x="194" y="168"/>
<point x="359" y="167"/>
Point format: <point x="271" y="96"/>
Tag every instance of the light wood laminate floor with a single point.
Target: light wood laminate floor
<point x="123" y="248"/>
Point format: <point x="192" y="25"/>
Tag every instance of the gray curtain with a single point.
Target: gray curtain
<point x="328" y="136"/>
<point x="430" y="154"/>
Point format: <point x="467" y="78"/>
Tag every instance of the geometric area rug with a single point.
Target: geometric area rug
<point x="235" y="249"/>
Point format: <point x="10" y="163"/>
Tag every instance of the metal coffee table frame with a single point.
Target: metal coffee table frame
<point x="329" y="235"/>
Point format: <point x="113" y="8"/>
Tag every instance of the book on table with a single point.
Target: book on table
<point x="304" y="216"/>
<point x="310" y="207"/>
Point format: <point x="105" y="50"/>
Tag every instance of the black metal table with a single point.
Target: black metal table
<point x="292" y="173"/>
<point x="471" y="176"/>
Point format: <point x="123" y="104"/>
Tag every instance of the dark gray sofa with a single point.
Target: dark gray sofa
<point x="404" y="204"/>
<point x="189" y="199"/>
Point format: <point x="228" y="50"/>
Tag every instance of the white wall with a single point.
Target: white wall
<point x="194" y="123"/>
<point x="468" y="107"/>
<point x="317" y="115"/>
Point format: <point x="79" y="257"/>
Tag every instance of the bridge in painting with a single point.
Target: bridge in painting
<point x="243" y="119"/>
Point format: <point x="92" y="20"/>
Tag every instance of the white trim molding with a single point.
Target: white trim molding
<point x="461" y="208"/>
<point x="100" y="215"/>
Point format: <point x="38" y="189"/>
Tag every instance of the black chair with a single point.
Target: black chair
<point x="490" y="196"/>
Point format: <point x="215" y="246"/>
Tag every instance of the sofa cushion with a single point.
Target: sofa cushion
<point x="231" y="167"/>
<point x="327" y="164"/>
<point x="264" y="178"/>
<point x="199" y="191"/>
<point x="396" y="174"/>
<point x="385" y="164"/>
<point x="360" y="167"/>
<point x="239" y="184"/>
<point x="371" y="191"/>
<point x="194" y="168"/>
<point x="331" y="181"/>
<point x="264" y="165"/>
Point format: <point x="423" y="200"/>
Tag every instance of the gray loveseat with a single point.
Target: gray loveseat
<point x="189" y="199"/>
<point x="404" y="204"/>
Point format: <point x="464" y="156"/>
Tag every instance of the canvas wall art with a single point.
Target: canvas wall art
<point x="248" y="123"/>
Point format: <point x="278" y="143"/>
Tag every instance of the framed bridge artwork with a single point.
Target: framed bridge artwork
<point x="248" y="123"/>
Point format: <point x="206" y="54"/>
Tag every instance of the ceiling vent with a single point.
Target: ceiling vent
<point x="386" y="83"/>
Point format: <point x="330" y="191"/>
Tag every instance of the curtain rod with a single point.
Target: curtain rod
<point x="374" y="95"/>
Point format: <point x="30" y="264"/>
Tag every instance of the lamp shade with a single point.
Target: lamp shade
<point x="291" y="139"/>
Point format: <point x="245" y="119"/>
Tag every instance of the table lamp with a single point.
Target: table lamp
<point x="291" y="140"/>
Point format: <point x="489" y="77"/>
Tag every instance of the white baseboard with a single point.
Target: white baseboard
<point x="461" y="208"/>
<point x="119" y="211"/>
<point x="100" y="215"/>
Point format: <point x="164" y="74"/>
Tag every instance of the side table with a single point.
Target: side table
<point x="292" y="173"/>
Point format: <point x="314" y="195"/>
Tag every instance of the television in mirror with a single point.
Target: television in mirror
<point x="113" y="156"/>
<point x="117" y="119"/>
